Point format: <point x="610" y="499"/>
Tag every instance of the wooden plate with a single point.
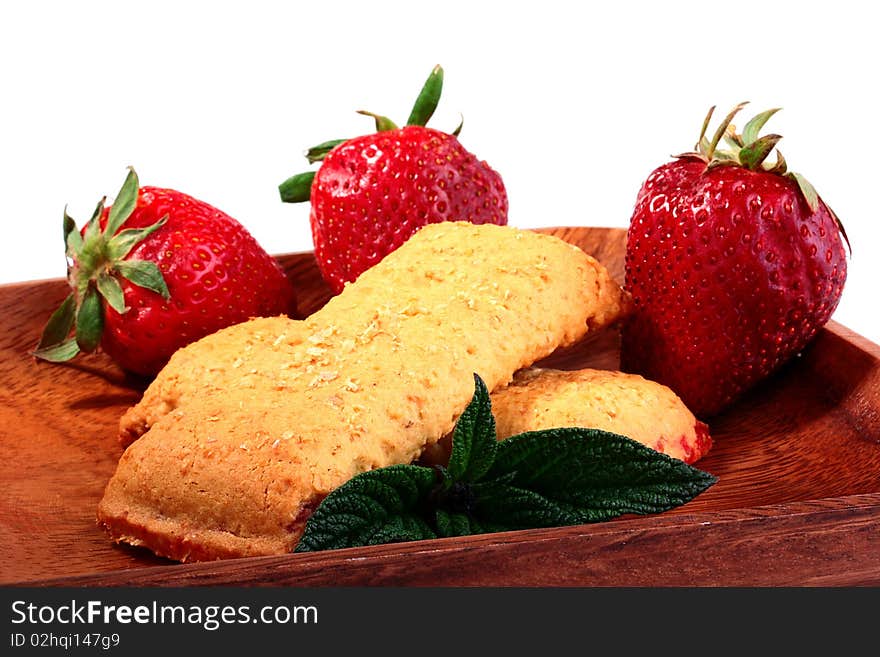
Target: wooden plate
<point x="797" y="501"/>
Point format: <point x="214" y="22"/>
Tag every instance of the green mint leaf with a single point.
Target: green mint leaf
<point x="503" y="507"/>
<point x="374" y="507"/>
<point x="110" y="289"/>
<point x="60" y="324"/>
<point x="143" y="273"/>
<point x="595" y="475"/>
<point x="121" y="244"/>
<point x="451" y="523"/>
<point x="298" y="188"/>
<point x="89" y="321"/>
<point x="123" y="204"/>
<point x="474" y="441"/>
<point x="547" y="478"/>
<point x="58" y="353"/>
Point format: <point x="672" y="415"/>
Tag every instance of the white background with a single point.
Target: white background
<point x="573" y="105"/>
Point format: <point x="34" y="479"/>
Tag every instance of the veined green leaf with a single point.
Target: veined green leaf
<point x="451" y="523"/>
<point x="597" y="474"/>
<point x="506" y="508"/>
<point x="474" y="441"/>
<point x="538" y="479"/>
<point x="378" y="506"/>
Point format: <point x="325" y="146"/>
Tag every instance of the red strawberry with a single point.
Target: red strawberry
<point x="154" y="272"/>
<point x="373" y="192"/>
<point x="733" y="264"/>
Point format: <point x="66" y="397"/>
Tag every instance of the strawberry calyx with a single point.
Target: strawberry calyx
<point x="97" y="260"/>
<point x="319" y="152"/>
<point x="297" y="188"/>
<point x="750" y="150"/>
<point x="428" y="98"/>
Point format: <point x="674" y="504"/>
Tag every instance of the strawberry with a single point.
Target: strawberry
<point x="733" y="264"/>
<point x="371" y="193"/>
<point x="154" y="272"/>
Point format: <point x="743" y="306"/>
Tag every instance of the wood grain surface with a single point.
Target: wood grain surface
<point x="797" y="501"/>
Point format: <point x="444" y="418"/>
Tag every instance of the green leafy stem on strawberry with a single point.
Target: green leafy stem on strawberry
<point x="750" y="150"/>
<point x="372" y="192"/>
<point x="155" y="271"/>
<point x="297" y="188"/>
<point x="96" y="257"/>
<point x="734" y="263"/>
